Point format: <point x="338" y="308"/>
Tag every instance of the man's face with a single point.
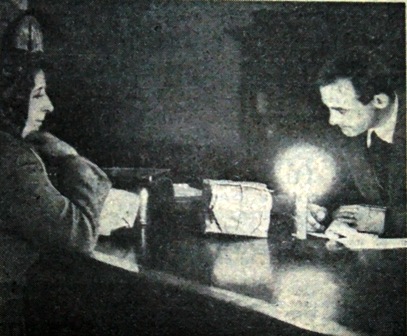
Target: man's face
<point x="345" y="109"/>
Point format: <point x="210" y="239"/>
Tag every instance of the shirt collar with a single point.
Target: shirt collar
<point x="385" y="131"/>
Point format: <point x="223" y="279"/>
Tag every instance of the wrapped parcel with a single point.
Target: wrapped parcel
<point x="236" y="208"/>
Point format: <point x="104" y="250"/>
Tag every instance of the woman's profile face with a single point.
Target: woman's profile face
<point x="39" y="105"/>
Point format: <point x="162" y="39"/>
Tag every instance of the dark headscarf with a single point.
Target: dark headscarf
<point x="20" y="60"/>
<point x="16" y="84"/>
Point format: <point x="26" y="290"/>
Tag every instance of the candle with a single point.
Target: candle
<point x="143" y="212"/>
<point x="301" y="213"/>
<point x="306" y="173"/>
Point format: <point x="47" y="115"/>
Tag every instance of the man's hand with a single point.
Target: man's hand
<point x="348" y="214"/>
<point x="364" y="218"/>
<point x="50" y="146"/>
<point x="316" y="214"/>
<point x="338" y="229"/>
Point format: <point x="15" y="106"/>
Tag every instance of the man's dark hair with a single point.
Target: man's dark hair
<point x="366" y="70"/>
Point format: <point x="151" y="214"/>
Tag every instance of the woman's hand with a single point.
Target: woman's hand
<point x="50" y="146"/>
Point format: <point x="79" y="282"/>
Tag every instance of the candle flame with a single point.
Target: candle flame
<point x="305" y="170"/>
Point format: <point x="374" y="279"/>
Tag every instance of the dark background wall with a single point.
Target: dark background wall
<point x="208" y="89"/>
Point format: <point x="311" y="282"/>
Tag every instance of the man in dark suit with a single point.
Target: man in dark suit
<point x="363" y="101"/>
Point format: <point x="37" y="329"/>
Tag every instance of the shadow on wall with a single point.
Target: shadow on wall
<point x="152" y="87"/>
<point x="172" y="84"/>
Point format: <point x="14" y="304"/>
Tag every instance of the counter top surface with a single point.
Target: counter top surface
<point x="329" y="290"/>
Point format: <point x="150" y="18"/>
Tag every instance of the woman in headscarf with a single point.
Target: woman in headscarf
<point x="52" y="215"/>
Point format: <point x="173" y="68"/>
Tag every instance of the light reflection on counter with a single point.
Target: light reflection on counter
<point x="307" y="292"/>
<point x="243" y="266"/>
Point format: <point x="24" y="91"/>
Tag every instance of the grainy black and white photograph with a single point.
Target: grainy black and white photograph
<point x="202" y="168"/>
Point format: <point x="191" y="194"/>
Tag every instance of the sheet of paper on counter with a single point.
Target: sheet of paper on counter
<point x="185" y="190"/>
<point x="367" y="241"/>
<point x="119" y="211"/>
<point x="374" y="244"/>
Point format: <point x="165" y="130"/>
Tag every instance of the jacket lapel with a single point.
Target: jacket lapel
<point x="354" y="150"/>
<point x="397" y="171"/>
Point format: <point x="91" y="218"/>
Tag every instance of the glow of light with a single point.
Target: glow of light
<point x="305" y="170"/>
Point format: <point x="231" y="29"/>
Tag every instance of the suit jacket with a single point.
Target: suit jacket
<point x="33" y="208"/>
<point x="365" y="177"/>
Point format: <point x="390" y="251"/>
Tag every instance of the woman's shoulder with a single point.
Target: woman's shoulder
<point x="8" y="140"/>
<point x="14" y="150"/>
